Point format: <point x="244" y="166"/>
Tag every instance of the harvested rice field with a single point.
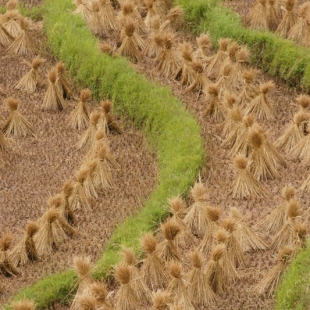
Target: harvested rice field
<point x="226" y="244"/>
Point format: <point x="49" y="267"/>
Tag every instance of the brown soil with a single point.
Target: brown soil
<point x="36" y="168"/>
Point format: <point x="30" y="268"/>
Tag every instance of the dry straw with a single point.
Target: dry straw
<point x="302" y="149"/>
<point x="225" y="79"/>
<point x="151" y="48"/>
<point x="249" y="89"/>
<point x="151" y="13"/>
<point x="215" y="107"/>
<point x="99" y="291"/>
<point x="257" y="17"/>
<point x="107" y="16"/>
<point x="300" y="30"/>
<point x="83" y="9"/>
<point x="203" y="52"/>
<point x="186" y="55"/>
<point x="11" y="23"/>
<point x="7" y="267"/>
<point x="66" y="206"/>
<point x="32" y="78"/>
<point x="162" y="300"/>
<point x="5" y="38"/>
<point x="173" y="20"/>
<point x="61" y="82"/>
<point x="16" y="125"/>
<point x="106" y="48"/>
<point x="305" y="186"/>
<point x="25" y="304"/>
<point x="80" y="199"/>
<point x="289" y="19"/>
<point x="111" y="122"/>
<point x="273" y="19"/>
<point x="95" y="23"/>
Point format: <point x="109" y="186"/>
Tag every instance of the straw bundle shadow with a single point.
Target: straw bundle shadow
<point x="305" y="186"/>
<point x="293" y="132"/>
<point x="53" y="99"/>
<point x="276" y="219"/>
<point x="16" y="125"/>
<point x="186" y="55"/>
<point x="25" y="304"/>
<point x="125" y="298"/>
<point x="167" y="61"/>
<point x="246" y="185"/>
<point x="32" y="78"/>
<point x="273" y="18"/>
<point x="83" y="9"/>
<point x="61" y="82"/>
<point x="289" y="19"/>
<point x="173" y="20"/>
<point x="199" y="288"/>
<point x="99" y="291"/>
<point x="245" y="235"/>
<point x="7" y="268"/>
<point x="5" y="38"/>
<point x="11" y="23"/>
<point x="23" y="43"/>
<point x="214" y="68"/>
<point x="299" y="31"/>
<point x="287" y="235"/>
<point x="177" y="286"/>
<point x="203" y="52"/>
<point x="249" y="90"/>
<point x="260" y="106"/>
<point x="196" y="218"/>
<point x="79" y="117"/>
<point x="257" y="18"/>
<point x="107" y="16"/>
<point x="111" y="122"/>
<point x="83" y="267"/>
<point x="153" y="268"/>
<point x="272" y="278"/>
<point x="167" y="250"/>
<point x="162" y="300"/>
<point x="25" y="250"/>
<point x="215" y="107"/>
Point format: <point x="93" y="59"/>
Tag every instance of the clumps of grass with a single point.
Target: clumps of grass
<point x="32" y="78"/>
<point x="16" y="125"/>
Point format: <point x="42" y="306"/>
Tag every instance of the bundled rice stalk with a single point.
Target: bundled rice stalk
<point x="249" y="90"/>
<point x="299" y="31"/>
<point x="173" y="20"/>
<point x="257" y="17"/>
<point x="305" y="186"/>
<point x="25" y="304"/>
<point x="53" y="99"/>
<point x="61" y="82"/>
<point x="16" y="125"/>
<point x="302" y="149"/>
<point x="225" y="79"/>
<point x="95" y="22"/>
<point x="214" y="68"/>
<point x="86" y="302"/>
<point x="203" y="52"/>
<point x="177" y="286"/>
<point x="162" y="300"/>
<point x="25" y="250"/>
<point x="260" y="106"/>
<point x="272" y="278"/>
<point x="230" y="103"/>
<point x="11" y="23"/>
<point x="7" y="268"/>
<point x="11" y="7"/>
<point x="100" y="138"/>
<point x="186" y="55"/>
<point x="99" y="291"/>
<point x="79" y="199"/>
<point x="196" y="218"/>
<point x="245" y="235"/>
<point x="66" y="207"/>
<point x="167" y="250"/>
<point x="152" y="45"/>
<point x="273" y="18"/>
<point x="167" y="61"/>
<point x="3" y="142"/>
<point x="32" y="78"/>
<point x="304" y="102"/>
<point x="276" y="219"/>
<point x="83" y="9"/>
<point x="153" y="268"/>
<point x="111" y="122"/>
<point x="215" y="107"/>
<point x="83" y="267"/>
<point x="5" y="38"/>
<point x="125" y="298"/>
<point x="79" y="117"/>
<point x="23" y="43"/>
<point x="91" y="182"/>
<point x="306" y="39"/>
<point x="107" y="16"/>
<point x="289" y="19"/>
<point x="293" y="132"/>
<point x="151" y="13"/>
<point x="242" y="58"/>
<point x="106" y="48"/>
<point x="300" y="236"/>
<point x="246" y="185"/>
<point x="199" y="288"/>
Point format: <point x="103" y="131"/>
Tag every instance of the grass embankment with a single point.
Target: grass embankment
<point x="283" y="59"/>
<point x="170" y="131"/>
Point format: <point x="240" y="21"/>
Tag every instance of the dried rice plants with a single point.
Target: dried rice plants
<point x="289" y="19"/>
<point x="24" y="304"/>
<point x="62" y="82"/>
<point x="258" y="15"/>
<point x="111" y="122"/>
<point x="7" y="268"/>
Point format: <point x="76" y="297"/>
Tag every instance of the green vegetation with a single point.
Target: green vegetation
<point x="170" y="130"/>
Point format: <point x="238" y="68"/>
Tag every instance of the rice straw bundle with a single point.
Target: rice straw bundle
<point x="242" y="58"/>
<point x="299" y="31"/>
<point x="305" y="186"/>
<point x="196" y="218"/>
<point x="162" y="7"/>
<point x="230" y="102"/>
<point x="80" y="199"/>
<point x="79" y="117"/>
<point x="125" y="298"/>
<point x="7" y="268"/>
<point x="306" y="39"/>
<point x="245" y="235"/>
<point x="232" y="50"/>
<point x="162" y="300"/>
<point x="293" y="132"/>
<point x="302" y="149"/>
<point x="249" y="90"/>
<point x="203" y="52"/>
<point x="287" y="235"/>
<point x="25" y="304"/>
<point x="246" y="185"/>
<point x="3" y="142"/>
<point x="199" y="288"/>
<point x="107" y="16"/>
<point x="260" y="106"/>
<point x="25" y="250"/>
<point x="99" y="291"/>
<point x="32" y="78"/>
<point x="52" y="229"/>
<point x="5" y="38"/>
<point x="53" y="99"/>
<point x="215" y="107"/>
<point x="106" y="48"/>
<point x="62" y="82"/>
<point x="167" y="250"/>
<point x="95" y="22"/>
<point x="186" y="55"/>
<point x="289" y="19"/>
<point x="92" y="181"/>
<point x="100" y="138"/>
<point x="151" y="13"/>
<point x="177" y="286"/>
<point x="272" y="278"/>
<point x="276" y="219"/>
<point x="225" y="79"/>
<point x="23" y="43"/>
<point x="167" y="61"/>
<point x="151" y="48"/>
<point x="16" y="125"/>
<point x="86" y="302"/>
<point x="66" y="206"/>
<point x="173" y="20"/>
<point x="83" y="9"/>
<point x="214" y="269"/>
<point x="258" y="16"/>
<point x="11" y="6"/>
<point x="213" y="216"/>
<point x="304" y="102"/>
<point x="153" y="268"/>
<point x="89" y="135"/>
<point x="11" y="23"/>
<point x="83" y="268"/>
<point x="111" y="122"/>
<point x="214" y="68"/>
<point x="300" y="236"/>
<point x="273" y="19"/>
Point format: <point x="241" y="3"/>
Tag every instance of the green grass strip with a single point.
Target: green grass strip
<point x="279" y="57"/>
<point x="169" y="128"/>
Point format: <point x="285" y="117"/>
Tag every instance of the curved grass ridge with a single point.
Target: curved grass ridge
<point x="280" y="57"/>
<point x="169" y="128"/>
